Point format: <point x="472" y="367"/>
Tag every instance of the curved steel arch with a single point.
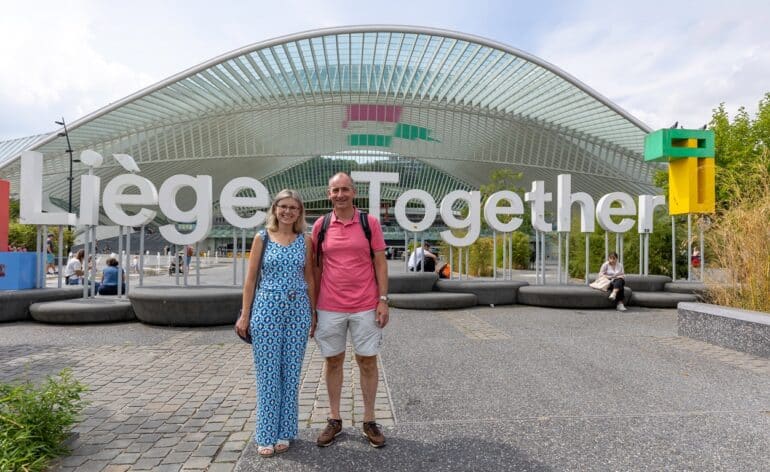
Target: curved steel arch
<point x="499" y="106"/>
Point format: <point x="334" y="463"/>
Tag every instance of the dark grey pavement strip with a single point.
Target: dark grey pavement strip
<point x="561" y="390"/>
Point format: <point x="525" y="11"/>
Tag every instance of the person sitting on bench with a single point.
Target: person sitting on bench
<point x="109" y="285"/>
<point x="422" y="260"/>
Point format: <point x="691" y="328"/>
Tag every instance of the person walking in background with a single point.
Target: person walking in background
<point x="50" y="267"/>
<point x="613" y="270"/>
<point x="276" y="315"/>
<point x="352" y="280"/>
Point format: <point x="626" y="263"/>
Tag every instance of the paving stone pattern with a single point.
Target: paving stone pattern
<point x="181" y="404"/>
<point x="473" y="327"/>
<point x="741" y="360"/>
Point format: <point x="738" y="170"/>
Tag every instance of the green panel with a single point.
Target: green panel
<point x="375" y="140"/>
<point x="666" y="144"/>
<point x="412" y="132"/>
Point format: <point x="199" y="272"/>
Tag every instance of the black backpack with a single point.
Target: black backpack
<point x="362" y="217"/>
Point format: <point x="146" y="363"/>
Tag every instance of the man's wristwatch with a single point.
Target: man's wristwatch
<point x="384" y="298"/>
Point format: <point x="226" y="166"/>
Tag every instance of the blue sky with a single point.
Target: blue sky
<point x="661" y="61"/>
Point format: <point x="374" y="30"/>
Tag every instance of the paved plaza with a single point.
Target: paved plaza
<point x="504" y="388"/>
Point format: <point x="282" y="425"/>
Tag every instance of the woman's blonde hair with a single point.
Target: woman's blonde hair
<point x="272" y="219"/>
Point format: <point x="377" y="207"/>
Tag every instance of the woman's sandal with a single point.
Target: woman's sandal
<point x="281" y="446"/>
<point x="265" y="451"/>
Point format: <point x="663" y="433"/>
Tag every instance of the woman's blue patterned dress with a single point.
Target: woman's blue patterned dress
<point x="280" y="322"/>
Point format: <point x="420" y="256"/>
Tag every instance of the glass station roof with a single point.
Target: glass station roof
<point x="461" y="104"/>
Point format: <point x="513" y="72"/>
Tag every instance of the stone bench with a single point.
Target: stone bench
<point x="411" y="282"/>
<point x="660" y="299"/>
<point x="488" y="292"/>
<point x="83" y="310"/>
<point x="641" y="283"/>
<point x="15" y="303"/>
<point x="195" y="305"/>
<point x="432" y="300"/>
<point x="567" y="296"/>
<point x="733" y="328"/>
<point x="698" y="288"/>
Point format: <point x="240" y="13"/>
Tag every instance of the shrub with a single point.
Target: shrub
<point x="742" y="234"/>
<point x="34" y="421"/>
<point x="481" y="252"/>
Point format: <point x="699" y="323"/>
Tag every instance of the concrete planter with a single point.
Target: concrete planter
<point x="741" y="330"/>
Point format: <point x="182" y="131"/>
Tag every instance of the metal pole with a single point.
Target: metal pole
<point x="86" y="254"/>
<point x="505" y="256"/>
<point x="406" y="252"/>
<point x="38" y="257"/>
<point x="128" y="257"/>
<point x="647" y="254"/>
<point x="467" y="265"/>
<point x="606" y="245"/>
<point x="243" y="257"/>
<point x="59" y="254"/>
<point x="120" y="265"/>
<point x="235" y="256"/>
<point x="494" y="255"/>
<point x="641" y="253"/>
<point x="587" y="259"/>
<point x="422" y="246"/>
<point x="141" y="256"/>
<point x="197" y="265"/>
<point x="451" y="262"/>
<point x="176" y="264"/>
<point x="96" y="261"/>
<point x="460" y="263"/>
<point x="702" y="257"/>
<point x="537" y="257"/>
<point x="566" y="258"/>
<point x="673" y="248"/>
<point x="558" y="258"/>
<point x="542" y="254"/>
<point x="689" y="247"/>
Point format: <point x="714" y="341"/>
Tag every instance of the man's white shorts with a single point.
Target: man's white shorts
<point x="331" y="332"/>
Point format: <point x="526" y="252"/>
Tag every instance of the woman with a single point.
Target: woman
<point x="613" y="270"/>
<point x="277" y="315"/>
<point x="109" y="285"/>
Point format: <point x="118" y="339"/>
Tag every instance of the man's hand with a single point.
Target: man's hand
<point x="382" y="316"/>
<point x="313" y="323"/>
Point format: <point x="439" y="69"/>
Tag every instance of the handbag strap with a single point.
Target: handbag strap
<point x="265" y="240"/>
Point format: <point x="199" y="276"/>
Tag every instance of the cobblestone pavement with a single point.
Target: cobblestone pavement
<point x="181" y="404"/>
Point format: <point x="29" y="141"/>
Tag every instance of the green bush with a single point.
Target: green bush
<point x="34" y="421"/>
<point x="481" y="252"/>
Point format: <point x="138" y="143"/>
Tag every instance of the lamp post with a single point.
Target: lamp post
<point x="69" y="151"/>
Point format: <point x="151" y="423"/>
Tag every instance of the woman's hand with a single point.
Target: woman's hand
<point x="242" y="325"/>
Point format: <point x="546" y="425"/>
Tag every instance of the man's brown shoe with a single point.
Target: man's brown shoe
<point x="373" y="433"/>
<point x="330" y="432"/>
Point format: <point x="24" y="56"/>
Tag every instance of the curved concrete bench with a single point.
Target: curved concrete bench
<point x="661" y="299"/>
<point x="15" y="303"/>
<point x="411" y="282"/>
<point x="432" y="300"/>
<point x="84" y="310"/>
<point x="567" y="296"/>
<point x="488" y="292"/>
<point x="195" y="305"/>
<point x="642" y="283"/>
<point x="698" y="288"/>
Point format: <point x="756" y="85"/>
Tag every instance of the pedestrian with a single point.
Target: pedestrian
<point x="352" y="281"/>
<point x="276" y="313"/>
<point x="49" y="255"/>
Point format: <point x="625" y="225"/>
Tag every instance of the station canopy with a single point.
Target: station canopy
<point x="444" y="109"/>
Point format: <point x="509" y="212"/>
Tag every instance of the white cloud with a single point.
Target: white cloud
<point x="666" y="62"/>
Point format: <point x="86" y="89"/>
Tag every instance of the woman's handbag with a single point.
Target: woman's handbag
<point x="247" y="338"/>
<point x="602" y="283"/>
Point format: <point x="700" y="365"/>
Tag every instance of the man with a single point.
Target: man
<point x="352" y="282"/>
<point x="420" y="256"/>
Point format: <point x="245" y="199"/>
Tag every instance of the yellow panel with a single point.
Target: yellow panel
<point x="691" y="186"/>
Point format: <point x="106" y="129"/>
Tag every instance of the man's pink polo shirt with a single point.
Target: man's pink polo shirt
<point x="348" y="283"/>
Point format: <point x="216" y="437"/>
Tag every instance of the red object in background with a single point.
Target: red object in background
<point x="5" y="213"/>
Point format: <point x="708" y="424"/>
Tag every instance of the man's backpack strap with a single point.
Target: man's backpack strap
<point x="364" y="219"/>
<point x="321" y="235"/>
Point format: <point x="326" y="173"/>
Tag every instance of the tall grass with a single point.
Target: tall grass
<point x="741" y="237"/>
